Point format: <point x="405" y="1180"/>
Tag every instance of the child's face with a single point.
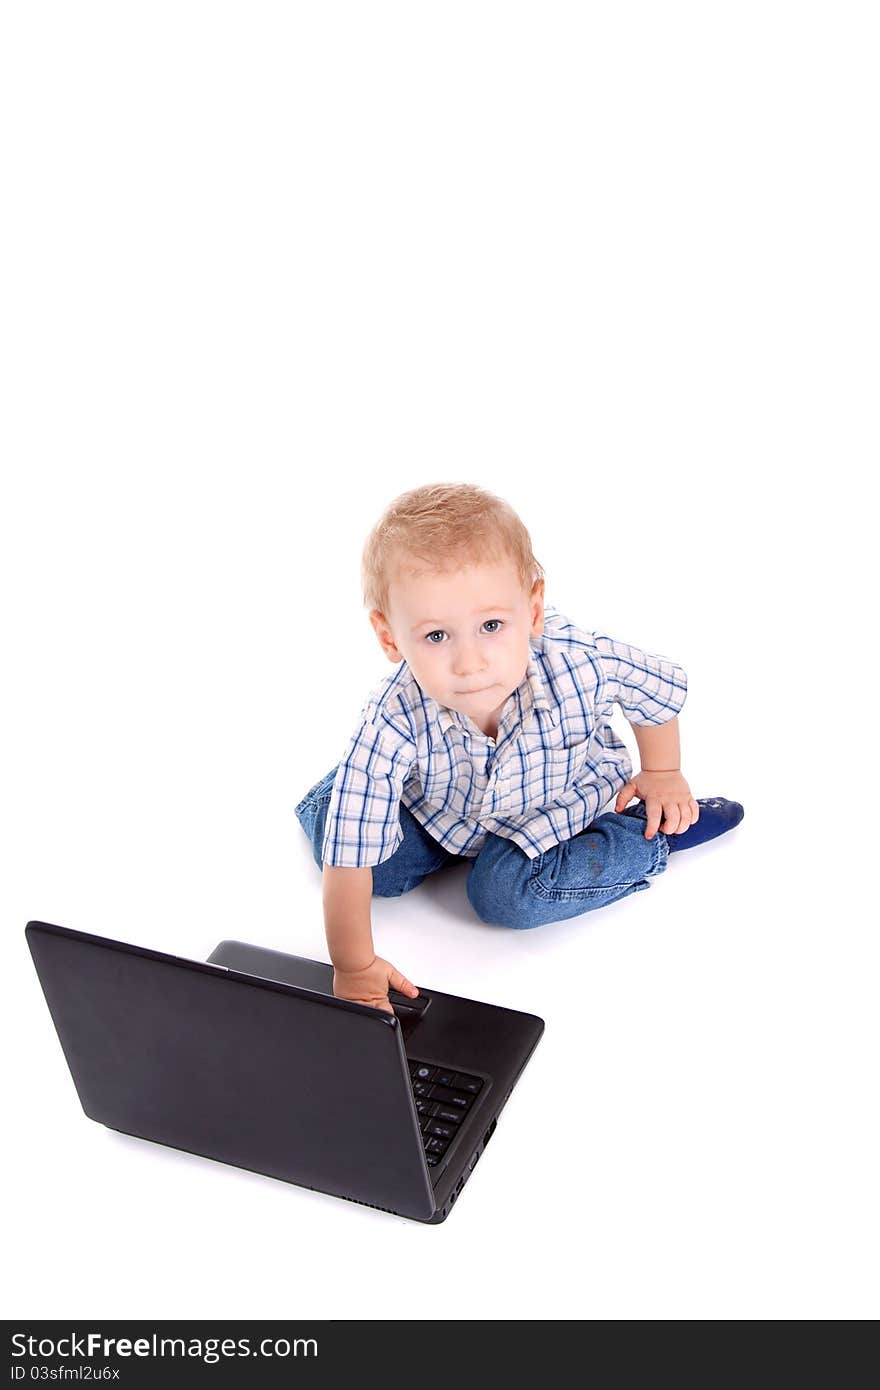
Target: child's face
<point x="463" y="632"/>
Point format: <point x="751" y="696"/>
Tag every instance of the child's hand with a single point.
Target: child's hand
<point x="664" y="794"/>
<point x="371" y="985"/>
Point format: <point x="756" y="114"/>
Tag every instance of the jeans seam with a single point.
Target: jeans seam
<point x="661" y="856"/>
<point x="569" y="895"/>
<point x="310" y="799"/>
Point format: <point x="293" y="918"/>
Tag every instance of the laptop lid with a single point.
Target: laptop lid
<point x="270" y="1077"/>
<point x="444" y="1034"/>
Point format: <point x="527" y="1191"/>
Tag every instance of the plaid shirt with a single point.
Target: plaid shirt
<point x="555" y="765"/>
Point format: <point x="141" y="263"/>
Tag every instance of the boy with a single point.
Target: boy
<point x="490" y="743"/>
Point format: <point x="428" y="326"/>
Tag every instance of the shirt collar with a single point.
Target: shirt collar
<point x="531" y="691"/>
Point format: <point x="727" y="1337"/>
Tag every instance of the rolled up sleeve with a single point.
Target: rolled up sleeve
<point x="650" y="689"/>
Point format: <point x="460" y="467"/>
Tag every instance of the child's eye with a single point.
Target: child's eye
<point x="439" y="632"/>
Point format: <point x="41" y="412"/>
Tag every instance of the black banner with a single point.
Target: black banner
<point x="207" y="1353"/>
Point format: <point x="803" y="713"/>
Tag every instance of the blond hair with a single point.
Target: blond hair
<point x="441" y="525"/>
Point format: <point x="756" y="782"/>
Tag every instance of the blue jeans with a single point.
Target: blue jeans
<point x="606" y="862"/>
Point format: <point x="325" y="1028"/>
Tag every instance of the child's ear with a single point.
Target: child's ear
<point x="385" y="636"/>
<point x="536" y="604"/>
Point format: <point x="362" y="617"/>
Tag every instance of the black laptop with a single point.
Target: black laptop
<point x="249" y="1058"/>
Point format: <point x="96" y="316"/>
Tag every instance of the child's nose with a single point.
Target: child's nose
<point x="467" y="663"/>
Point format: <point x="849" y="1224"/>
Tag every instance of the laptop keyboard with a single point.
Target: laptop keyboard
<point x="443" y="1098"/>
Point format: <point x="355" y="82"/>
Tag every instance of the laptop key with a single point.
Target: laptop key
<point x="432" y="1158"/>
<point x="445" y="1078"/>
<point x="445" y="1112"/>
<point x="426" y="1107"/>
<point x="435" y="1127"/>
<point x="460" y="1099"/>
<point x="437" y="1146"/>
<point x="467" y="1083"/>
<point x="423" y="1073"/>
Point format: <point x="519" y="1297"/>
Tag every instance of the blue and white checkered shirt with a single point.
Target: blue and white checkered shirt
<point x="554" y="767"/>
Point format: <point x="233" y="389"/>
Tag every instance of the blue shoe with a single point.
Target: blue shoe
<point x="717" y="816"/>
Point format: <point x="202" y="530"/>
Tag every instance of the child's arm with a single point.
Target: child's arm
<point x="358" y="973"/>
<point x="659" y="746"/>
<point x="660" y="783"/>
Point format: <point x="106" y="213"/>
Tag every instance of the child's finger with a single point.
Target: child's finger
<point x="654" y="811"/>
<point x="672" y="819"/>
<point x="401" y="983"/>
<point x="695" y="811"/>
<point x="624" y="796"/>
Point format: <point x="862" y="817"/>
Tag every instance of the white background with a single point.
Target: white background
<point x="264" y="267"/>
